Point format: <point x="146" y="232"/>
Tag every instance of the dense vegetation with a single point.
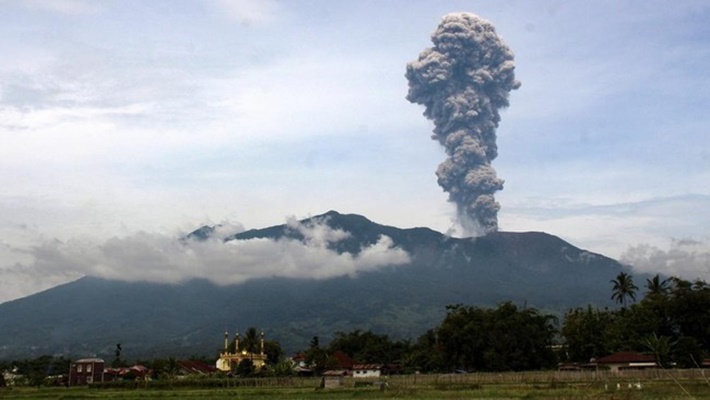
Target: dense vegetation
<point x="671" y="321"/>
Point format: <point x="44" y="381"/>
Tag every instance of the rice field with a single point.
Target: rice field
<point x="630" y="385"/>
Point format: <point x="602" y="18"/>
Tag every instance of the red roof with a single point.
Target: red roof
<point x="624" y="357"/>
<point x="196" y="367"/>
<point x="339" y="372"/>
<point x="344" y="360"/>
<point x="368" y="367"/>
<point x="136" y="370"/>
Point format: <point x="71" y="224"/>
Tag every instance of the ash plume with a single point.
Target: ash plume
<point x="463" y="80"/>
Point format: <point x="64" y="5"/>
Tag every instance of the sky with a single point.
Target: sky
<point x="126" y="124"/>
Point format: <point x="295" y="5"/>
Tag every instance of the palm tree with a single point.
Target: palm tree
<point x="656" y="287"/>
<point x="661" y="347"/>
<point x="623" y="287"/>
<point x="251" y="341"/>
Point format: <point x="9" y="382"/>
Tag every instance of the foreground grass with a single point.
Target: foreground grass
<point x="494" y="392"/>
<point x="651" y="389"/>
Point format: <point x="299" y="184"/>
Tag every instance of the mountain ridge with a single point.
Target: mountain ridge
<point x="90" y="315"/>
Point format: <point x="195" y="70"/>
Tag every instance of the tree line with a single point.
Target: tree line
<point x="671" y="321"/>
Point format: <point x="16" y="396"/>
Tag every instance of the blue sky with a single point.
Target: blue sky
<point x="125" y="118"/>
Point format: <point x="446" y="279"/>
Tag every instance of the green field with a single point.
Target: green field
<point x="549" y="385"/>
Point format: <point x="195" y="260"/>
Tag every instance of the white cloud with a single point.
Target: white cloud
<point x="166" y="259"/>
<point x="685" y="258"/>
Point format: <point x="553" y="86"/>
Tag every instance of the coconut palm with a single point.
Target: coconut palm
<point x="623" y="287"/>
<point x="250" y="341"/>
<point x="661" y="346"/>
<point x="656" y="287"/>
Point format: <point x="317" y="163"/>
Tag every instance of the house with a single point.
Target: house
<point x="300" y="367"/>
<point x="194" y="367"/>
<point x="627" y="360"/>
<point x="333" y="378"/>
<point x="86" y="371"/>
<point x="136" y="372"/>
<point x="342" y="359"/>
<point x="367" y="370"/>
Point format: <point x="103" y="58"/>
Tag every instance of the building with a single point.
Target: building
<point x="194" y="367"/>
<point x="228" y="360"/>
<point x="624" y="360"/>
<point x="367" y="370"/>
<point x="300" y="367"/>
<point x="86" y="371"/>
<point x="342" y="360"/>
<point x="333" y="379"/>
<point x="136" y="372"/>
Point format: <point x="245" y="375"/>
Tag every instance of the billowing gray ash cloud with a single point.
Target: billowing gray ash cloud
<point x="463" y="81"/>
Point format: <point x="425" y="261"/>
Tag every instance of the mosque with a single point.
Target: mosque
<point x="228" y="361"/>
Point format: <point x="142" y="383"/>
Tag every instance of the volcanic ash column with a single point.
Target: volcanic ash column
<point x="462" y="81"/>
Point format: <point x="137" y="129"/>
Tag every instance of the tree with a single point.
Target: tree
<point x="623" y="288"/>
<point x="281" y="368"/>
<point x="588" y="334"/>
<point x="245" y="368"/>
<point x="689" y="310"/>
<point x="35" y="370"/>
<point x="117" y="362"/>
<point x="686" y="352"/>
<point x="500" y="339"/>
<point x="164" y="367"/>
<point x="251" y="341"/>
<point x="656" y="287"/>
<point x="368" y="347"/>
<point x="425" y="355"/>
<point x="316" y="356"/>
<point x="661" y="347"/>
<point x="273" y="351"/>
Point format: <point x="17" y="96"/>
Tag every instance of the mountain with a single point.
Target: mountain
<point x="90" y="315"/>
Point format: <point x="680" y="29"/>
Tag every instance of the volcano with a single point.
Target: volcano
<point x="90" y="315"/>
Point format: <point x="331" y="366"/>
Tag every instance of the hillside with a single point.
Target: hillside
<point x="89" y="316"/>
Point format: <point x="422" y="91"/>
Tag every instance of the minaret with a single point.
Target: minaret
<point x="262" y="343"/>
<point x="226" y="342"/>
<point x="236" y="343"/>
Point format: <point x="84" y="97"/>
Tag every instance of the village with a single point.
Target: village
<point x="242" y="359"/>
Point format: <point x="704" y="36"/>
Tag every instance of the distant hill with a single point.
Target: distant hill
<point x="90" y="315"/>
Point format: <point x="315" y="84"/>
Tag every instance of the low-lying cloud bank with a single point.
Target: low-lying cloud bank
<point x="163" y="259"/>
<point x="686" y="258"/>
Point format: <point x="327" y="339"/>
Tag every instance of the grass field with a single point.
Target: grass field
<point x="472" y="386"/>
